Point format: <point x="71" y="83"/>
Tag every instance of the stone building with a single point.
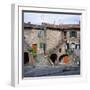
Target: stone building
<point x="49" y="39"/>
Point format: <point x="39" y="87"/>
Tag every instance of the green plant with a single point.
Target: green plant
<point x="32" y="51"/>
<point x="69" y="52"/>
<point x="29" y="49"/>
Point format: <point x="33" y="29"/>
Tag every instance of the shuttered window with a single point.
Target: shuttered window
<point x="73" y="34"/>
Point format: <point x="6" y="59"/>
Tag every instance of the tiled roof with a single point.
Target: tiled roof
<point x="52" y="26"/>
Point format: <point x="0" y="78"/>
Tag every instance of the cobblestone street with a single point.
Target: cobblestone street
<point x="37" y="71"/>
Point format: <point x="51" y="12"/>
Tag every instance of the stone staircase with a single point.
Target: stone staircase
<point x="56" y="48"/>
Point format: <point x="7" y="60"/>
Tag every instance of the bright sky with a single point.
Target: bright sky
<point x="38" y="18"/>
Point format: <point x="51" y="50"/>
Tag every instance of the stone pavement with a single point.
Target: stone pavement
<point x="60" y="70"/>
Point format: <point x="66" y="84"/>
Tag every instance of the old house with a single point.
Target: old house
<point x="53" y="44"/>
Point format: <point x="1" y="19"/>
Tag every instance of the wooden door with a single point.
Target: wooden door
<point x="66" y="59"/>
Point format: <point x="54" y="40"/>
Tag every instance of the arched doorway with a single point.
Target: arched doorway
<point x="26" y="58"/>
<point x="64" y="57"/>
<point x="53" y="57"/>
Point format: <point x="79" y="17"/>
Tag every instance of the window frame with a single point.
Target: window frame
<point x="16" y="56"/>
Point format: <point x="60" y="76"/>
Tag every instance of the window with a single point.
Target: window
<point x="65" y="33"/>
<point x="60" y="50"/>
<point x="73" y="34"/>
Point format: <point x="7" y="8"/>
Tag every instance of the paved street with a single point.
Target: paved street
<point x="61" y="70"/>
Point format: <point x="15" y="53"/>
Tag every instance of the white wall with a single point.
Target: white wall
<point x="5" y="44"/>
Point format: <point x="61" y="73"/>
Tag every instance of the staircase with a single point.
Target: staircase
<point x="56" y="48"/>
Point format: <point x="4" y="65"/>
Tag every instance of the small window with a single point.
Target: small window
<point x="73" y="34"/>
<point x="60" y="50"/>
<point x="65" y="33"/>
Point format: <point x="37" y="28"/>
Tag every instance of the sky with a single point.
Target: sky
<point x="38" y="18"/>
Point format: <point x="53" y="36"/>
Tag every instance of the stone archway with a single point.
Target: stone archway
<point x="65" y="57"/>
